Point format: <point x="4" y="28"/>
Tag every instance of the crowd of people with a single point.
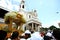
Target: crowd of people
<point x="31" y="35"/>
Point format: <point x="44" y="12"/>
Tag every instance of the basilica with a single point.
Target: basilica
<point x="31" y="17"/>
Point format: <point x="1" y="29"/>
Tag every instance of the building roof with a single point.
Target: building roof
<point x="34" y="21"/>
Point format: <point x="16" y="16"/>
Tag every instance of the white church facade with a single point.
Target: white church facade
<point x="31" y="17"/>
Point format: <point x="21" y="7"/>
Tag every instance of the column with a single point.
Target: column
<point x="36" y="27"/>
<point x="27" y="27"/>
<point x="32" y="26"/>
<point x="23" y="27"/>
<point x="39" y="26"/>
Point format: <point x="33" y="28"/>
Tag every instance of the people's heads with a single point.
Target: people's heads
<point x="32" y="32"/>
<point x="3" y="34"/>
<point x="27" y="34"/>
<point x="56" y="33"/>
<point x="15" y="34"/>
<point x="42" y="34"/>
<point x="49" y="34"/>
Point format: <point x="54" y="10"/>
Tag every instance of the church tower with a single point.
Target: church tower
<point x="22" y="5"/>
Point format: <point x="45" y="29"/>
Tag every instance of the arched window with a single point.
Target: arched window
<point x="29" y="16"/>
<point x="25" y="27"/>
<point x="22" y="6"/>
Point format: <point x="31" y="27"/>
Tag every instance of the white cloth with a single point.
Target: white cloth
<point x="36" y="36"/>
<point x="49" y="34"/>
<point x="8" y="39"/>
<point x="27" y="31"/>
<point x="22" y="39"/>
<point x="28" y="39"/>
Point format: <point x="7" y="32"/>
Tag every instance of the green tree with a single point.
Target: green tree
<point x="44" y="29"/>
<point x="52" y="27"/>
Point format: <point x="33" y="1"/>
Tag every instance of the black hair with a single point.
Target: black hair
<point x="3" y="34"/>
<point x="14" y="35"/>
<point x="27" y="35"/>
<point x="56" y="33"/>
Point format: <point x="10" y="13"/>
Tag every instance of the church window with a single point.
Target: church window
<point x="23" y="6"/>
<point x="25" y="27"/>
<point x="34" y="26"/>
<point x="29" y="16"/>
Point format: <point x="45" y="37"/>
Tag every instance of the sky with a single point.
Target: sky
<point x="48" y="10"/>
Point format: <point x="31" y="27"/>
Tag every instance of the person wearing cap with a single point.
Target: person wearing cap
<point x="27" y="34"/>
<point x="48" y="36"/>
